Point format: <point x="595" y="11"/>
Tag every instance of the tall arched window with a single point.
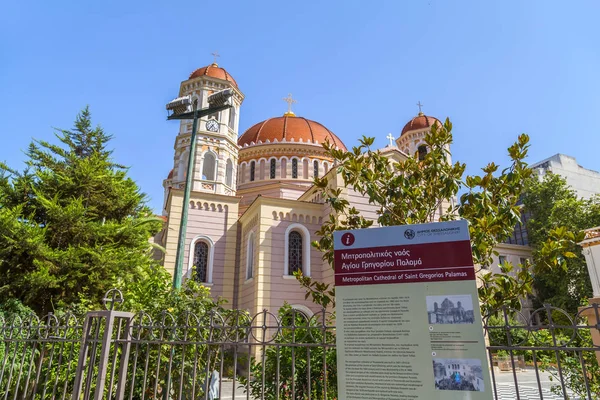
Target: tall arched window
<point x="273" y="168"/>
<point x="250" y="256"/>
<point x="294" y="252"/>
<point x="325" y="166"/>
<point x="232" y="118"/>
<point x="182" y="166"/>
<point x="201" y="261"/>
<point x="229" y="173"/>
<point x="295" y="168"/>
<point x="316" y="169"/>
<point x="242" y="172"/>
<point x="209" y="166"/>
<point x="422" y="151"/>
<point x="261" y="170"/>
<point x="283" y="168"/>
<point x="305" y="169"/>
<point x="252" y="170"/>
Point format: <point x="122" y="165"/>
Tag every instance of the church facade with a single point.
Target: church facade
<point x="253" y="210"/>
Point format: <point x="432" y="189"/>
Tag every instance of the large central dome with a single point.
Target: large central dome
<point x="289" y="129"/>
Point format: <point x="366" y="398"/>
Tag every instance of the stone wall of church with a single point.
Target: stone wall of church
<point x="269" y="222"/>
<point x="213" y="219"/>
<point x="285" y="288"/>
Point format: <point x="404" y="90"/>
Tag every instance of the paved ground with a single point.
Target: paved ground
<point x="527" y="383"/>
<point x="528" y="386"/>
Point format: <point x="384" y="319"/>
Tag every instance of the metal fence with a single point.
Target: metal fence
<point x="547" y="355"/>
<point x="232" y="355"/>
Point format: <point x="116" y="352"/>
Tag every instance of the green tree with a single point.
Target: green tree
<point x="552" y="205"/>
<point x="72" y="223"/>
<point x="419" y="191"/>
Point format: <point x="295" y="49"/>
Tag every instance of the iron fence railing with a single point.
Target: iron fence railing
<point x="550" y="348"/>
<point x="229" y="354"/>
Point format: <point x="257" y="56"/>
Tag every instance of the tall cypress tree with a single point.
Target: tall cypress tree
<point x="72" y="223"/>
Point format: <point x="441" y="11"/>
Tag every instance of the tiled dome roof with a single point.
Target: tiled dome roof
<point x="213" y="71"/>
<point x="289" y="129"/>
<point x="421" y="121"/>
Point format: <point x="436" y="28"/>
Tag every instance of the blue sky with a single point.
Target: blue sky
<point x="495" y="68"/>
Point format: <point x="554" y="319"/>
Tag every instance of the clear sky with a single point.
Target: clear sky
<point x="359" y="67"/>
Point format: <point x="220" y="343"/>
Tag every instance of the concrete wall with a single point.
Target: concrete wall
<point x="585" y="182"/>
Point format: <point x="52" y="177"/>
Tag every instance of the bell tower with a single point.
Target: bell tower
<point x="215" y="166"/>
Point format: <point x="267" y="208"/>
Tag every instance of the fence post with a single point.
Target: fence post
<point x="113" y="297"/>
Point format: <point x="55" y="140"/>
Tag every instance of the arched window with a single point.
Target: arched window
<point x="295" y="168"/>
<point x="261" y="170"/>
<point x="305" y="169"/>
<point x="209" y="166"/>
<point x="252" y="170"/>
<point x="325" y="166"/>
<point x="232" y="118"/>
<point x="316" y="169"/>
<point x="201" y="259"/>
<point x="242" y="178"/>
<point x="250" y="256"/>
<point x="283" y="168"/>
<point x="422" y="151"/>
<point x="182" y="166"/>
<point x="294" y="252"/>
<point x="273" y="168"/>
<point x="229" y="173"/>
<point x="297" y="250"/>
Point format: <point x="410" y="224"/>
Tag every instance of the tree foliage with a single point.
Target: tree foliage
<point x="72" y="223"/>
<point x="419" y="191"/>
<point x="556" y="217"/>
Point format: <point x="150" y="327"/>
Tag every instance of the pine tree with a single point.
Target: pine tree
<point x="72" y="223"/>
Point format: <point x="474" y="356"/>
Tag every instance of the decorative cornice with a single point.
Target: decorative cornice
<point x="592" y="237"/>
<point x="248" y="153"/>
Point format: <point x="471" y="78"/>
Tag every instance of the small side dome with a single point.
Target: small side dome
<point x="213" y="71"/>
<point x="420" y="122"/>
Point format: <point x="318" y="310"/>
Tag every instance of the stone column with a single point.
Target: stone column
<point x="591" y="251"/>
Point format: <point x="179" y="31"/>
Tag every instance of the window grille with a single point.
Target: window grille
<point x="201" y="260"/>
<point x="316" y="169"/>
<point x="252" y="170"/>
<point x="294" y="168"/>
<point x="294" y="252"/>
<point x="273" y="169"/>
<point x="422" y="150"/>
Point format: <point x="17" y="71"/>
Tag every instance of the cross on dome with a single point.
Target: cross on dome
<point x="290" y="101"/>
<point x="216" y="55"/>
<point x="420" y="105"/>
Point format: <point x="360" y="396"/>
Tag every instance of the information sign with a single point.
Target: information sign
<point x="408" y="319"/>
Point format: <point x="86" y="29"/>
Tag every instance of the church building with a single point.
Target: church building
<point x="253" y="210"/>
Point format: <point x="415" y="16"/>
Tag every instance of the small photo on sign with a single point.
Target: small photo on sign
<point x="464" y="374"/>
<point x="450" y="309"/>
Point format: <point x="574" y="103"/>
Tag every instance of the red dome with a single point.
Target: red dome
<point x="289" y="128"/>
<point x="214" y="71"/>
<point x="421" y="121"/>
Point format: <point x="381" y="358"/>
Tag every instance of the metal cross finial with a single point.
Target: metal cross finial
<point x="215" y="54"/>
<point x="420" y="105"/>
<point x="290" y="101"/>
<point x="391" y="138"/>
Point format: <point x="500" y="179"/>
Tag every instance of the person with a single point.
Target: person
<point x="213" y="387"/>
